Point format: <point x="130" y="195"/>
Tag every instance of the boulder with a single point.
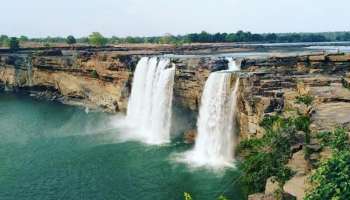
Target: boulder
<point x="296" y="186"/>
<point x="298" y="164"/>
<point x="272" y="185"/>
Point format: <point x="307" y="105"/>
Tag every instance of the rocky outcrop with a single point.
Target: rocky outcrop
<point x="94" y="80"/>
<point x="272" y="85"/>
<point x="316" y="86"/>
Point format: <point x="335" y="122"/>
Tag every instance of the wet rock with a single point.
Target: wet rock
<point x="190" y="136"/>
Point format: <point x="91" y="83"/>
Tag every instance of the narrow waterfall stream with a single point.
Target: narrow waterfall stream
<point x="150" y="103"/>
<point x="232" y="64"/>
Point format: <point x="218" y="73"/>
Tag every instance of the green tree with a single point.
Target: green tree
<point x="4" y="40"/>
<point x="23" y="38"/>
<point x="97" y="39"/>
<point x="166" y="39"/>
<point x="13" y="43"/>
<point x="71" y="40"/>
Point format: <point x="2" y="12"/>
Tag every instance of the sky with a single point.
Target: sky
<point x="41" y="18"/>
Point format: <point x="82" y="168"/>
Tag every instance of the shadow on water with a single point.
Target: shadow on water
<point x="53" y="151"/>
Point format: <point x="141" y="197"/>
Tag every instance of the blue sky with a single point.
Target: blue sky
<point x="157" y="17"/>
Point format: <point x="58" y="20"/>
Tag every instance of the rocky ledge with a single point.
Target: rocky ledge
<point x="96" y="79"/>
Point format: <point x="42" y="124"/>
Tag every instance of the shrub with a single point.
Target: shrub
<point x="94" y="74"/>
<point x="266" y="157"/>
<point x="338" y="140"/>
<point x="305" y="99"/>
<point x="332" y="179"/>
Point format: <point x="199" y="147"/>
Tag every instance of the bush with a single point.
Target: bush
<point x="302" y="123"/>
<point x="338" y="140"/>
<point x="332" y="179"/>
<point x="94" y="74"/>
<point x="266" y="157"/>
<point x="97" y="39"/>
<point x="305" y="99"/>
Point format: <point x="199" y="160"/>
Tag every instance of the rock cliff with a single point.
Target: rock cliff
<point x="97" y="79"/>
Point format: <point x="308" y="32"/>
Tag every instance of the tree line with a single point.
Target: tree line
<point x="98" y="39"/>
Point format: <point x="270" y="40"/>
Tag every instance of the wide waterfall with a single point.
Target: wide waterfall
<point x="150" y="103"/>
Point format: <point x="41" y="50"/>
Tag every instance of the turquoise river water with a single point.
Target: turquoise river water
<point x="54" y="151"/>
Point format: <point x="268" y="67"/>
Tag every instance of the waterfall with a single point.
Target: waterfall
<point x="214" y="145"/>
<point x="232" y="64"/>
<point x="150" y="103"/>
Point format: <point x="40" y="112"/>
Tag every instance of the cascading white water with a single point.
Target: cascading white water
<point x="215" y="141"/>
<point x="149" y="108"/>
<point x="232" y="65"/>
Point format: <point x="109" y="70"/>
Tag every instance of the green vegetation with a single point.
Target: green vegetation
<point x="23" y="38"/>
<point x="266" y="157"/>
<point x="13" y="43"/>
<point x="97" y="39"/>
<point x="305" y="99"/>
<point x="94" y="74"/>
<point x="345" y="83"/>
<point x="188" y="197"/>
<point x="3" y="40"/>
<point x="202" y="37"/>
<point x="71" y="40"/>
<point x="331" y="180"/>
<point x="338" y="140"/>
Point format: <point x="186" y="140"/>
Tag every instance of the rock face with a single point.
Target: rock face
<point x="272" y="85"/>
<point x="92" y="80"/>
<point x="97" y="79"/>
<point x="316" y="86"/>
